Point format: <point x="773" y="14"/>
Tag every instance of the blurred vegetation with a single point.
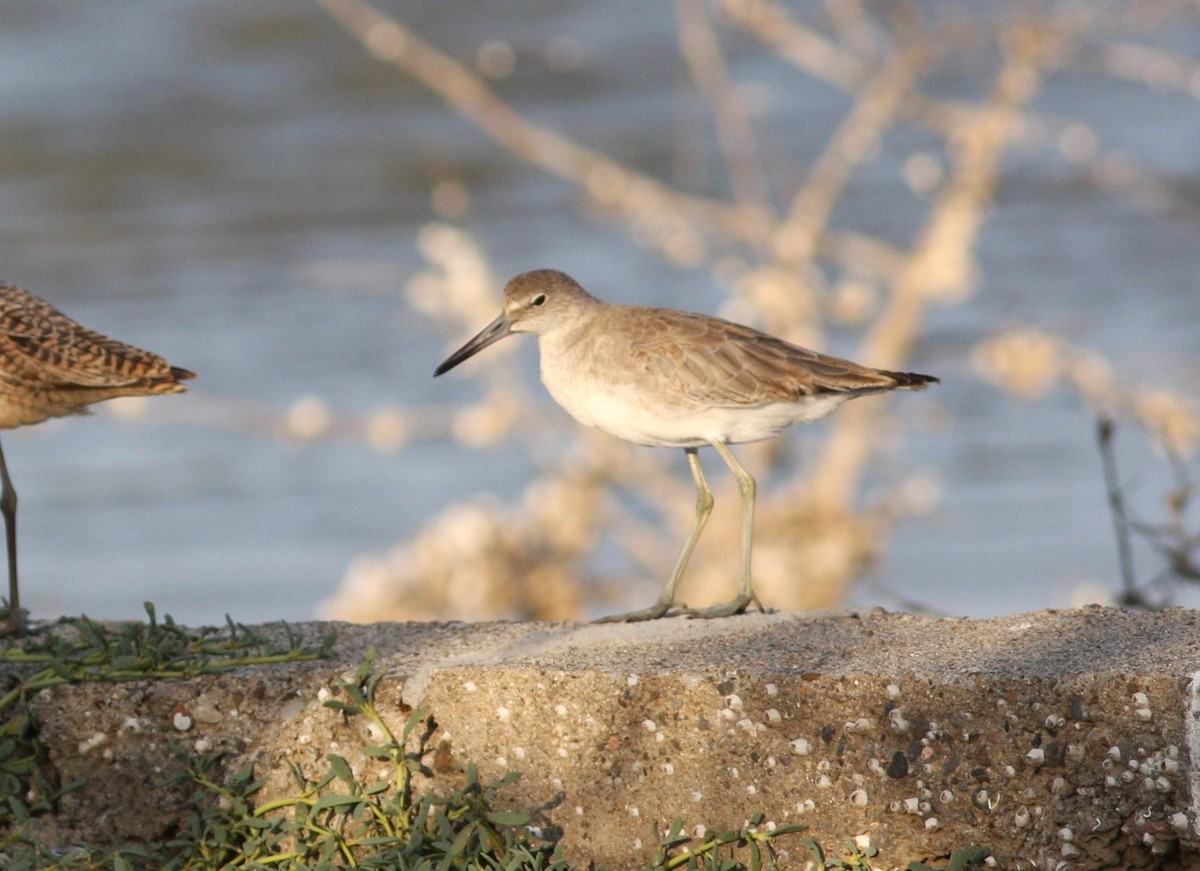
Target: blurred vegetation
<point x="791" y="265"/>
<point x="1174" y="540"/>
<point x="79" y="650"/>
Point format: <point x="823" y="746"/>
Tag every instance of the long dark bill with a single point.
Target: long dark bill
<point x="493" y="332"/>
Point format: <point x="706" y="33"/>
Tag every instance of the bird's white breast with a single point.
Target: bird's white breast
<point x="642" y="411"/>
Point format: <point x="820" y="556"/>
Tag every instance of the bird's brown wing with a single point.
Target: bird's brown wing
<point x="42" y="348"/>
<point x="720" y="363"/>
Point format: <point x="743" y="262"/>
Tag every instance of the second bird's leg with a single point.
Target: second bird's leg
<point x="745" y="596"/>
<point x="666" y="599"/>
<point x="8" y="507"/>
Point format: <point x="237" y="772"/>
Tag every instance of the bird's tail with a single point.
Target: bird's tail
<point x="910" y="380"/>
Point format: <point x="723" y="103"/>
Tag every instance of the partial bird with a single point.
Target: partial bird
<point x="51" y="366"/>
<point x="667" y="378"/>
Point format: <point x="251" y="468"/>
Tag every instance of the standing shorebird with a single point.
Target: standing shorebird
<point x="672" y="379"/>
<point x="51" y="366"/>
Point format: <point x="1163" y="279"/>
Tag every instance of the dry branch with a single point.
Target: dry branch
<point x="645" y="201"/>
<point x="940" y="265"/>
<point x="707" y="65"/>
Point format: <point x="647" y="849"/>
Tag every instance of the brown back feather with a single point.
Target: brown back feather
<point x="43" y="349"/>
<point x="727" y="364"/>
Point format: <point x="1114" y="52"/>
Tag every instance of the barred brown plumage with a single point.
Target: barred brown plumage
<point x="51" y="366"/>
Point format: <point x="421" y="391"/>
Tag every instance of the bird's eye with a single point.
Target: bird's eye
<point x="540" y="299"/>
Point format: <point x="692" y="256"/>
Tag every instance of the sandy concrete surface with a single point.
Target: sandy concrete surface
<point x="1050" y="737"/>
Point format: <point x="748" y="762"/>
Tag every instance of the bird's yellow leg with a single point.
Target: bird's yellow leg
<point x="745" y="596"/>
<point x="666" y="599"/>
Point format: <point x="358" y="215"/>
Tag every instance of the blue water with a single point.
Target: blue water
<point x="239" y="187"/>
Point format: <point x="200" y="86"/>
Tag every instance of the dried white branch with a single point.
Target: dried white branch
<point x="801" y="46"/>
<point x="702" y="51"/>
<point x="940" y="267"/>
<point x="649" y="204"/>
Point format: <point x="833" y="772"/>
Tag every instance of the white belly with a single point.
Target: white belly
<point x="635" y="414"/>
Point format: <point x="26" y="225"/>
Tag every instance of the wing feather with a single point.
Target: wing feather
<point x="716" y="362"/>
<point x="43" y="349"/>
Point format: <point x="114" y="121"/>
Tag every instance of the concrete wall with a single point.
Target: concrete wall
<point x="1050" y="738"/>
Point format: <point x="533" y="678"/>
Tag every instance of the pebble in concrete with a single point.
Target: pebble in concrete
<point x="1052" y="737"/>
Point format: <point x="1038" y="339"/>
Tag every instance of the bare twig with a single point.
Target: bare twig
<point x="1028" y="363"/>
<point x="1173" y="541"/>
<point x="1116" y="502"/>
<point x="857" y="137"/>
<point x="940" y="265"/>
<point x="647" y="202"/>
<point x="827" y="60"/>
<point x="802" y="46"/>
<point x="702" y="52"/>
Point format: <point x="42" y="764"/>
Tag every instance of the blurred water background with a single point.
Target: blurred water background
<point x="240" y="187"/>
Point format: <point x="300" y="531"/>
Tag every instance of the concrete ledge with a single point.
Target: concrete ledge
<point x="1060" y="736"/>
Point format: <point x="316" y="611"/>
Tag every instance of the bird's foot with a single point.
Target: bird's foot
<point x="655" y="611"/>
<point x="727" y="609"/>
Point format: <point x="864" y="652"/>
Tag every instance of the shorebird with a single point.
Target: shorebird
<point x="674" y="379"/>
<point x="51" y="366"/>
